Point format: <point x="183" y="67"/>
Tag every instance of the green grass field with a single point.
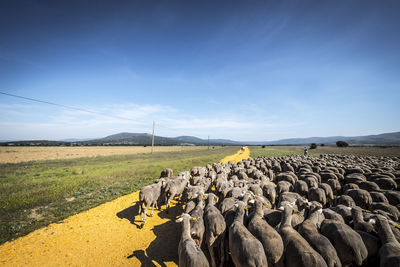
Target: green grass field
<point x="35" y="194"/>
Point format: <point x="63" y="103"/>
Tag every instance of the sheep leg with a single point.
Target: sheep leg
<point x="222" y="250"/>
<point x="211" y="251"/>
<point x="140" y="210"/>
<point x="145" y="213"/>
<point x="156" y="204"/>
<point x="169" y="201"/>
<point x="152" y="210"/>
<point x="210" y="245"/>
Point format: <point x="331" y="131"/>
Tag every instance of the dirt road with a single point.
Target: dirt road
<point x="107" y="235"/>
<point x="238" y="156"/>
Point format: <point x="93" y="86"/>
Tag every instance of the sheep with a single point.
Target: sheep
<point x="347" y="177"/>
<point x="386" y="183"/>
<point x="361" y="197"/>
<point x="270" y="239"/>
<point x="389" y="253"/>
<point x="335" y="185"/>
<point x="269" y="191"/>
<point x="148" y="196"/>
<point x="373" y="244"/>
<point x="308" y="230"/>
<point x="328" y="192"/>
<point x="301" y="187"/>
<point x="245" y="249"/>
<point x="189" y="252"/>
<point x="197" y="227"/>
<point x="174" y="188"/>
<point x="317" y="194"/>
<point x="167" y="172"/>
<point x="297" y="250"/>
<point x="345" y="200"/>
<point x="215" y="228"/>
<point x="394" y="212"/>
<point x="348" y="243"/>
<point x="359" y="223"/>
<point x="378" y="197"/>
<point x="344" y="211"/>
<point x="283" y="186"/>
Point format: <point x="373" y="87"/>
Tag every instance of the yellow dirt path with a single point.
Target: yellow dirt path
<point x="238" y="156"/>
<point x="107" y="235"/>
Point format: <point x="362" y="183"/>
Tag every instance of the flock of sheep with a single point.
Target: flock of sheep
<point x="288" y="211"/>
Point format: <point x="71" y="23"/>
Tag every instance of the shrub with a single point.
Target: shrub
<point x="263" y="146"/>
<point x="313" y="146"/>
<point x="342" y="144"/>
<point x="322" y="144"/>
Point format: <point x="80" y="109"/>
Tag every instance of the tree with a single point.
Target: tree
<point x="313" y="146"/>
<point x="342" y="144"/>
<point x="322" y="145"/>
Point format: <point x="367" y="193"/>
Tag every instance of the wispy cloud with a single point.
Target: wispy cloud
<point x="110" y="119"/>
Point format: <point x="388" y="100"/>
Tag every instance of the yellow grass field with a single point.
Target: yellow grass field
<point x="15" y="154"/>
<point x="107" y="235"/>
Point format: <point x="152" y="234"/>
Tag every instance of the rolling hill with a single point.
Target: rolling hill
<point x="143" y="139"/>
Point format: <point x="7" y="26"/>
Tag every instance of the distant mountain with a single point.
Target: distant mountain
<point x="144" y="139"/>
<point x="196" y="140"/>
<point x="134" y="139"/>
<point x="72" y="140"/>
<point x="380" y="139"/>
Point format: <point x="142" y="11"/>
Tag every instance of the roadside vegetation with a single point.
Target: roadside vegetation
<point x="35" y="194"/>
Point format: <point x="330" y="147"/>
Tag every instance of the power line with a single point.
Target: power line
<point x="88" y="111"/>
<point x="65" y="106"/>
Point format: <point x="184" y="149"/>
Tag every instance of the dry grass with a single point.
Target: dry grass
<point x="15" y="154"/>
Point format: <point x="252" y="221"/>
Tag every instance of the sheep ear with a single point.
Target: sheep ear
<point x="251" y="201"/>
<point x="246" y="208"/>
<point x="295" y="211"/>
<point x="367" y="211"/>
<point x="398" y="226"/>
<point x="236" y="205"/>
<point x="205" y="196"/>
<point x="216" y="199"/>
<point x="266" y="205"/>
<point x="180" y="219"/>
<point x="372" y="221"/>
<point x="193" y="218"/>
<point x="281" y="208"/>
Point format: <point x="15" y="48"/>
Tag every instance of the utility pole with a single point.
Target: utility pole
<point x="152" y="139"/>
<point x="208" y="142"/>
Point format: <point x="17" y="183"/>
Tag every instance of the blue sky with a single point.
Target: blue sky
<point x="243" y="70"/>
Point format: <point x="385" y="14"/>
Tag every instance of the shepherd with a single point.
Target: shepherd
<point x="305" y="151"/>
